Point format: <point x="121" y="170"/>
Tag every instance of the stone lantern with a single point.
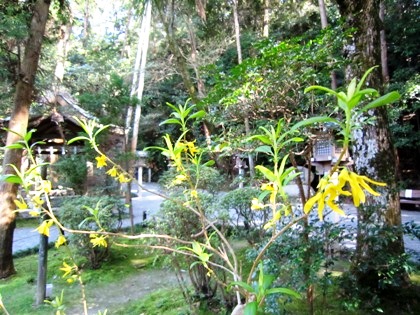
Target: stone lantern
<point x="326" y="151"/>
<point x="142" y="163"/>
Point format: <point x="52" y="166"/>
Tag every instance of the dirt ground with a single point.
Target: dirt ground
<point x="132" y="288"/>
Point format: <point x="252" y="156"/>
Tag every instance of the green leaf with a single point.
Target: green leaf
<point x="209" y="163"/>
<point x="198" y="114"/>
<point x="314" y="120"/>
<point x="16" y="145"/>
<point x="83" y="138"/>
<point x="283" y="291"/>
<point x="172" y="106"/>
<point x="263" y="139"/>
<point x="241" y="284"/>
<point x="100" y="130"/>
<point x="266" y="172"/>
<point x="321" y="88"/>
<point x="383" y="100"/>
<point x="367" y="91"/>
<point x="351" y="89"/>
<point x="37" y="143"/>
<point x="36" y="167"/>
<point x="170" y="121"/>
<point x="283" y="163"/>
<point x="10" y="178"/>
<point x="28" y="135"/>
<point x="267" y="282"/>
<point x="251" y="308"/>
<point x="264" y="149"/>
<point x="362" y="81"/>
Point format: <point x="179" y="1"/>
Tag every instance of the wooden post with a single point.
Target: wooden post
<point x="41" y="283"/>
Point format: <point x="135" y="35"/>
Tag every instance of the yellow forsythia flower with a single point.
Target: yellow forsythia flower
<point x="191" y="147"/>
<point x="100" y="161"/>
<point x="179" y="179"/>
<point x="21" y="204"/>
<point x="60" y="241"/>
<point x="34" y="213"/>
<point x="122" y="178"/>
<point x="45" y="186"/>
<point x="194" y="193"/>
<point x="98" y="240"/>
<point x="113" y="172"/>
<point x="37" y="201"/>
<point x="44" y="227"/>
<point x="67" y="269"/>
<point x="273" y="221"/>
<point x="329" y="190"/>
<point x="267" y="186"/>
<point x="256" y="204"/>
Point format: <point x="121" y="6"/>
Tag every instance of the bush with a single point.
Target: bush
<point x="180" y="222"/>
<point x="210" y="178"/>
<point x="72" y="172"/>
<point x="239" y="200"/>
<point x="74" y="214"/>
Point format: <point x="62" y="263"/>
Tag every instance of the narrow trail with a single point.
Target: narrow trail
<point x="111" y="296"/>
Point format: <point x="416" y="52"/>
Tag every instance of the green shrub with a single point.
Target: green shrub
<point x="210" y="178"/>
<point x="239" y="201"/>
<point x="74" y="214"/>
<point x="72" y="172"/>
<point x="180" y="222"/>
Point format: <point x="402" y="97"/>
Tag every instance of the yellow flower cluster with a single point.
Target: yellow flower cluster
<point x="43" y="187"/>
<point x="101" y="161"/>
<point x="190" y="146"/>
<point x="44" y="227"/>
<point x="69" y="271"/>
<point x="61" y="240"/>
<point x="98" y="240"/>
<point x="256" y="204"/>
<point x="329" y="190"/>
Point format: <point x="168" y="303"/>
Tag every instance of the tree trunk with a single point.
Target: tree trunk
<point x="18" y="124"/>
<point x="167" y="16"/>
<point x="137" y="89"/>
<point x="374" y="154"/>
<point x="200" y="83"/>
<point x="266" y="25"/>
<point x="239" y="51"/>
<point x="145" y="44"/>
<point x="65" y="31"/>
<point x="384" y="48"/>
<point x="86" y="24"/>
<point x="323" y="13"/>
<point x="324" y="24"/>
<point x="237" y="30"/>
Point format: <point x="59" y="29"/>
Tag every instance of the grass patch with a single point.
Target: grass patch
<point x="127" y="262"/>
<point x="167" y="301"/>
<point x="18" y="292"/>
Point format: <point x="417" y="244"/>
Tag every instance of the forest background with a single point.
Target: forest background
<point x="246" y="63"/>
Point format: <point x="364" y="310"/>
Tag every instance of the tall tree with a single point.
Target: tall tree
<point x="17" y="126"/>
<point x="166" y="13"/>
<point x="384" y="48"/>
<point x="266" y="22"/>
<point x="373" y="153"/>
<point x="324" y="25"/>
<point x="239" y="51"/>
